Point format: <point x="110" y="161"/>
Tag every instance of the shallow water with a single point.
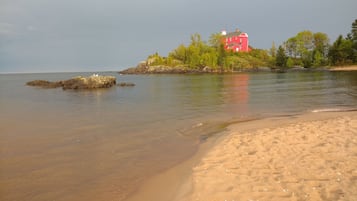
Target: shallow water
<point x="102" y="144"/>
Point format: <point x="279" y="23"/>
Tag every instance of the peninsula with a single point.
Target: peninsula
<point x="229" y="52"/>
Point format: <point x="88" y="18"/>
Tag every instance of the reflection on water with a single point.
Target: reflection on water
<point x="237" y="92"/>
<point x="101" y="144"/>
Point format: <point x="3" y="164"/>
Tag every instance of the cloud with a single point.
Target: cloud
<point x="30" y="28"/>
<point x="95" y="33"/>
<point x="7" y="29"/>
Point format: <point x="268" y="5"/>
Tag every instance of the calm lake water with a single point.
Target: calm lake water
<point x="101" y="145"/>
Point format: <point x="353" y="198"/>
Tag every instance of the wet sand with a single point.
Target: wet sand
<point x="307" y="157"/>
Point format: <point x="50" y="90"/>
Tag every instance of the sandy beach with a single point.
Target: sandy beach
<point x="293" y="159"/>
<point x="344" y="68"/>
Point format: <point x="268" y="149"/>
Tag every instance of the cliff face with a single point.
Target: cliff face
<point x="91" y="82"/>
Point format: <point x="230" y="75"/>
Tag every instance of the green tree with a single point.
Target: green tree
<point x="321" y="43"/>
<point x="155" y="59"/>
<point x="289" y="62"/>
<point x="354" y="40"/>
<point x="272" y="50"/>
<point x="180" y="53"/>
<point x="196" y="40"/>
<point x="344" y="50"/>
<point x="215" y="40"/>
<point x="222" y="54"/>
<point x="193" y="56"/>
<point x="300" y="44"/>
<point x="291" y="47"/>
<point x="307" y="58"/>
<point x="318" y="59"/>
<point x="354" y="30"/>
<point x="209" y="59"/>
<point x="304" y="42"/>
<point x="304" y="45"/>
<point x="281" y="58"/>
<point x="341" y="52"/>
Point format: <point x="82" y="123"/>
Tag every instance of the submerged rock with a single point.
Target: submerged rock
<point x="126" y="84"/>
<point x="91" y="82"/>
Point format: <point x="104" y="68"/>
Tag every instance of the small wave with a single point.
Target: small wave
<point x="204" y="130"/>
<point x="334" y="110"/>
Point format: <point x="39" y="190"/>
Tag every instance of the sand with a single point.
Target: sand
<point x="295" y="159"/>
<point x="344" y="68"/>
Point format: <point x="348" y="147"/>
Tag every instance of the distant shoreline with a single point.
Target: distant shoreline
<point x="133" y="72"/>
<point x="142" y="70"/>
<point x="344" y="68"/>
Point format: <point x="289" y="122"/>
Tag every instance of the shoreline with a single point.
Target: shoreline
<point x="174" y="183"/>
<point x="344" y="68"/>
<point x="167" y="70"/>
<point x="201" y="178"/>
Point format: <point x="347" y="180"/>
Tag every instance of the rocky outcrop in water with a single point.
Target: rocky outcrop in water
<point x="91" y="82"/>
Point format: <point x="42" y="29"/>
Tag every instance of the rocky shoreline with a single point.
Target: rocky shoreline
<point x="145" y="69"/>
<point x="142" y="69"/>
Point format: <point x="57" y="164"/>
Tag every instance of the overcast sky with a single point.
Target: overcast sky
<point x="90" y="35"/>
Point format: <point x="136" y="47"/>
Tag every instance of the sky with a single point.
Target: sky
<point x="105" y="35"/>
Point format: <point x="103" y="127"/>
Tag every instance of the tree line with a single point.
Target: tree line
<point x="305" y="49"/>
<point x="310" y="49"/>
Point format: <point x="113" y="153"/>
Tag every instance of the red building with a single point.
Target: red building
<point x="236" y="41"/>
